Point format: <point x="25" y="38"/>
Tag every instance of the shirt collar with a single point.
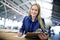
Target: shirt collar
<point x="30" y="19"/>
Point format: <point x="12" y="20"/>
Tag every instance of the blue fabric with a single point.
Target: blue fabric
<point x="29" y="26"/>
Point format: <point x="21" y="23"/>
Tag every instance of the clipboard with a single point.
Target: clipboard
<point x="32" y="35"/>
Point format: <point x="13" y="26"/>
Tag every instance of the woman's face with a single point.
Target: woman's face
<point x="34" y="11"/>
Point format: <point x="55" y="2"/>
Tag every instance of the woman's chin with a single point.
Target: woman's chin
<point x="33" y="16"/>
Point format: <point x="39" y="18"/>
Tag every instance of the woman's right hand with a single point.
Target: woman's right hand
<point x="19" y="34"/>
<point x="43" y="36"/>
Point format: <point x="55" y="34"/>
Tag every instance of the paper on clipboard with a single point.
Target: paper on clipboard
<point x="23" y="36"/>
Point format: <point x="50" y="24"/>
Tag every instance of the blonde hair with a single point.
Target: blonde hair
<point x="39" y="17"/>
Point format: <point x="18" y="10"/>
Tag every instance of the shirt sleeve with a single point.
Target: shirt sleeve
<point x="23" y="26"/>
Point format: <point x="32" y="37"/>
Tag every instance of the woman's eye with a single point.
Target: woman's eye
<point x="32" y="9"/>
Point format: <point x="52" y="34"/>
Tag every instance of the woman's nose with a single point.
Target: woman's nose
<point x="33" y="11"/>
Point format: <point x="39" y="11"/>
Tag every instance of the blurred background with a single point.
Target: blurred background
<point x="12" y="13"/>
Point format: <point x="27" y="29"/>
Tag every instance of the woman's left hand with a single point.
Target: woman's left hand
<point x="43" y="36"/>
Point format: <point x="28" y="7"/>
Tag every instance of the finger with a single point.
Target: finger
<point x="19" y="34"/>
<point x="44" y="34"/>
<point x="40" y="36"/>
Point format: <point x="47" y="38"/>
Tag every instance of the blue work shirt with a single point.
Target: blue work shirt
<point x="29" y="26"/>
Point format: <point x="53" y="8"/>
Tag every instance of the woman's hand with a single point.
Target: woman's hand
<point x="19" y="34"/>
<point x="43" y="36"/>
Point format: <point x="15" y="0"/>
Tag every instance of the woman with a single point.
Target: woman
<point x="32" y="22"/>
